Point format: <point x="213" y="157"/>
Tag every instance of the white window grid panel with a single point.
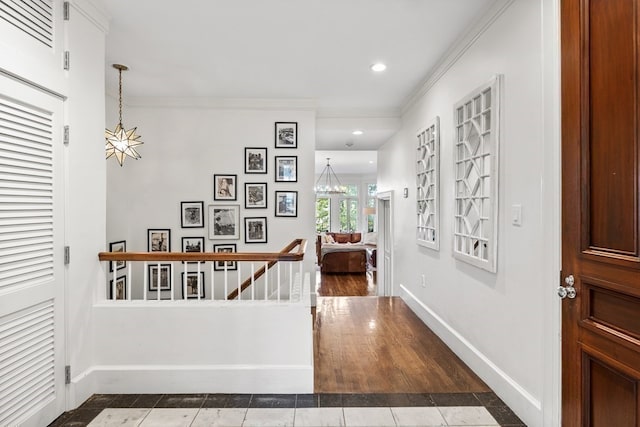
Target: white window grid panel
<point x="428" y="185"/>
<point x="476" y="164"/>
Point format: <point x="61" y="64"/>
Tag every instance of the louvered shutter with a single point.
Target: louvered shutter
<point x="31" y="279"/>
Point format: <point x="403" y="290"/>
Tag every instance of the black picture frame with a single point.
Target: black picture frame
<point x="219" y="265"/>
<point x="225" y="187"/>
<point x="255" y="195"/>
<point x="286" y="169"/>
<point x="159" y="240"/>
<point x="190" y="288"/>
<point x="224" y="222"/>
<point x="193" y="244"/>
<point x="286" y="134"/>
<point x="255" y="160"/>
<point x="120" y="246"/>
<point x="120" y="288"/>
<point x="166" y="277"/>
<point x="192" y="214"/>
<point x="287" y="203"/>
<point x="255" y="230"/>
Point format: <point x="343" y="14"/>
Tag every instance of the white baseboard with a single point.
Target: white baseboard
<point x="526" y="406"/>
<point x="159" y="379"/>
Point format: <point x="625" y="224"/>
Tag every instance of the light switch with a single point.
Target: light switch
<point x="516" y="215"/>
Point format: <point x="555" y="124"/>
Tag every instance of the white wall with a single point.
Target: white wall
<point x="204" y="347"/>
<point x="493" y="321"/>
<point x="183" y="148"/>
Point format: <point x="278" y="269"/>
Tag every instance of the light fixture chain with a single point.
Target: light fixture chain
<point x="120" y="94"/>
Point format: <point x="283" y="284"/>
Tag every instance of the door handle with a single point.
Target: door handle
<point x="567" y="291"/>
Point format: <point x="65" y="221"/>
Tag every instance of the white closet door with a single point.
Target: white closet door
<point x="32" y="386"/>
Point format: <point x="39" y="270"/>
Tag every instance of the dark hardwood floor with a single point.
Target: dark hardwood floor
<point x="346" y="285"/>
<point x="378" y="345"/>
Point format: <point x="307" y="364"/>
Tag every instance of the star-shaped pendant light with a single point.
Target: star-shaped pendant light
<point x="120" y="143"/>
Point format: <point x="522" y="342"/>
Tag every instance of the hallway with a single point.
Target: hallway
<point x="376" y="364"/>
<point x="378" y="345"/>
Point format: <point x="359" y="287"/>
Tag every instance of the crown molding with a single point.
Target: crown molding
<point x="212" y="103"/>
<point x="455" y="52"/>
<point x="94" y="12"/>
<point x="366" y="113"/>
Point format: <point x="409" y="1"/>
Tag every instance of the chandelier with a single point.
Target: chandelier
<point x="120" y="143"/>
<point x="328" y="182"/>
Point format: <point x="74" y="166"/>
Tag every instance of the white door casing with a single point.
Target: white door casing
<point x="385" y="242"/>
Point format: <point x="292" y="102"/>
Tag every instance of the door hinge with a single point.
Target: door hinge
<point x="67" y="374"/>
<point x="67" y="255"/>
<point x="66" y="60"/>
<point x="65" y="11"/>
<point x="65" y="136"/>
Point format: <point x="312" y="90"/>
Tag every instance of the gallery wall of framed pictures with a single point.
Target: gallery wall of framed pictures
<point x="245" y="200"/>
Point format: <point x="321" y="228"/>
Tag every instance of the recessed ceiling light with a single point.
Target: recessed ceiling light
<point x="357" y="132"/>
<point x="378" y="67"/>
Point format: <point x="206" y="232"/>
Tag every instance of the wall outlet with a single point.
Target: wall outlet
<point x="424" y="281"/>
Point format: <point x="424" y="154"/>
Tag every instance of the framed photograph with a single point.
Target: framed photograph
<point x="120" y="288"/>
<point x="286" y="134"/>
<point x="159" y="240"/>
<point x="224" y="222"/>
<point x="255" y="230"/>
<point x="286" y="168"/>
<point x="192" y="214"/>
<point x="287" y="203"/>
<point x="165" y="280"/>
<point x="219" y="265"/>
<point x="255" y="195"/>
<point x="255" y="160"/>
<point x="193" y="244"/>
<point x="120" y="246"/>
<point x="192" y="286"/>
<point x="224" y="187"/>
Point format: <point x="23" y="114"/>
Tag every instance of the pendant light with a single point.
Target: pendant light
<point x="328" y="182"/>
<point x="120" y="143"/>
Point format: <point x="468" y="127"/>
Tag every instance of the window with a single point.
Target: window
<point x="370" y="210"/>
<point x="323" y="214"/>
<point x="476" y="176"/>
<point x="349" y="215"/>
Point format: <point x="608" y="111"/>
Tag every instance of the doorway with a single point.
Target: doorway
<point x="385" y="243"/>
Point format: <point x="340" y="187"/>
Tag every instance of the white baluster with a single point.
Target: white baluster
<point x="158" y="281"/>
<point x="114" y="296"/>
<point x="290" y="279"/>
<point x="145" y="280"/>
<point x="129" y="269"/>
<point x="239" y="282"/>
<point x="184" y="282"/>
<point x="278" y="284"/>
<point x="226" y="282"/>
<point x="213" y="295"/>
<point x="199" y="282"/>
<point x="253" y="283"/>
<point x="266" y="279"/>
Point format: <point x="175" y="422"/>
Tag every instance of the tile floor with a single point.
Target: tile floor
<point x="370" y="410"/>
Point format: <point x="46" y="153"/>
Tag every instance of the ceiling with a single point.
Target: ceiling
<point x="312" y="53"/>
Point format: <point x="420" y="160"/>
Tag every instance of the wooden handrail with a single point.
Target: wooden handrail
<point x="284" y="255"/>
<point x="271" y="257"/>
<point x="262" y="270"/>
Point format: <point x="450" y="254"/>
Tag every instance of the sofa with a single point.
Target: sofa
<point x="342" y="252"/>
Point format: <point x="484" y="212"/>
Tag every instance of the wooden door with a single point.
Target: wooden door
<point x="600" y="212"/>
